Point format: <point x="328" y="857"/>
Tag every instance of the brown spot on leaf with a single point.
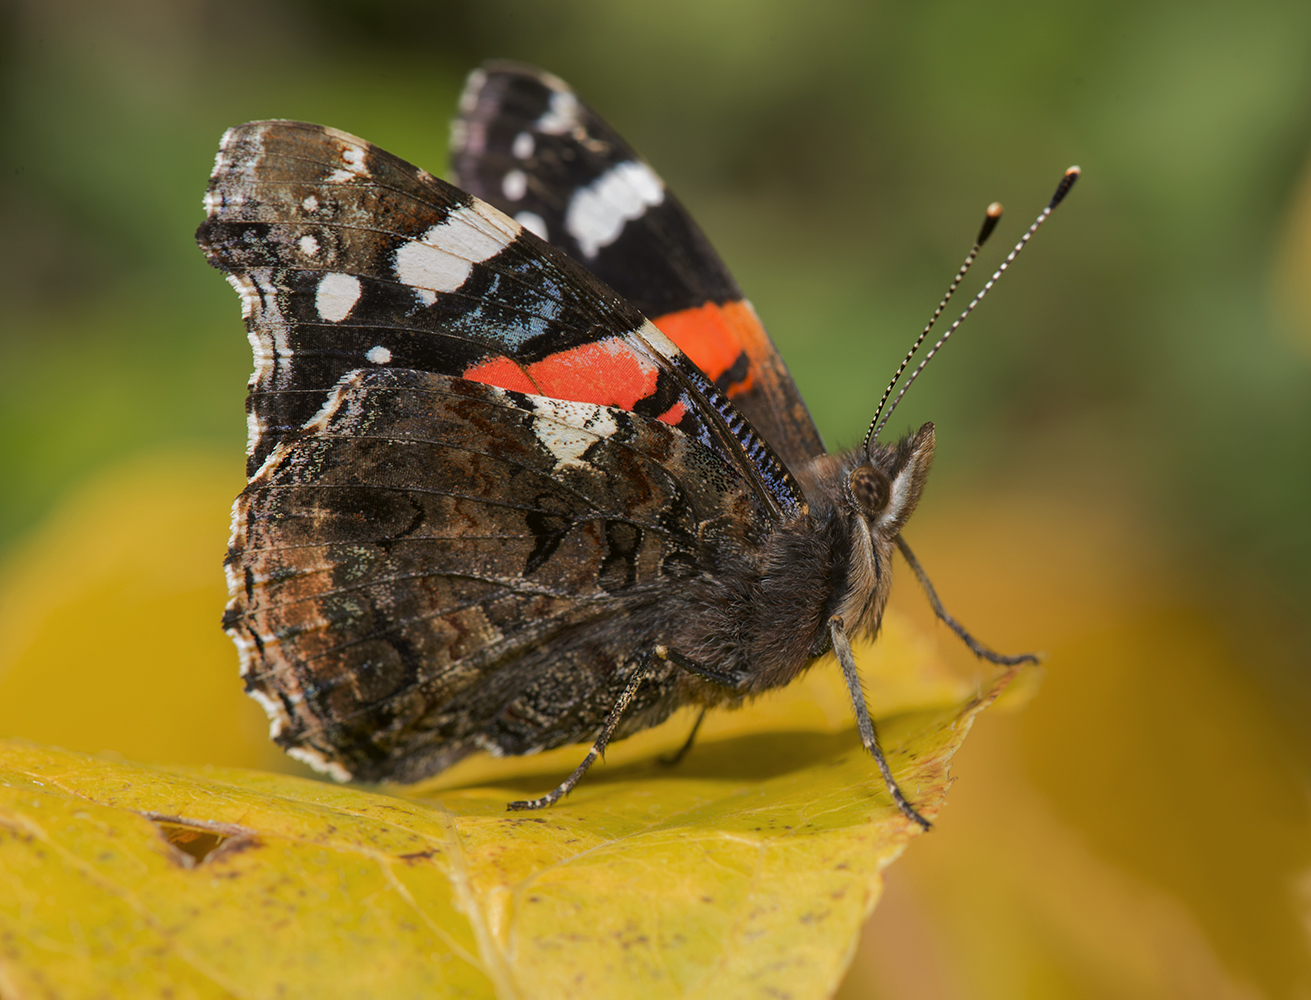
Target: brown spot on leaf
<point x="195" y="842"/>
<point x="418" y="855"/>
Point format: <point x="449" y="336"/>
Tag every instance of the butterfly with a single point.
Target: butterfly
<point x="524" y="468"/>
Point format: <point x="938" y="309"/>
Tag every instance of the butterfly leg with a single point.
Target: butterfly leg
<point x="700" y="670"/>
<point x="617" y="712"/>
<point x="976" y="647"/>
<point x="868" y="735"/>
<point x="598" y="748"/>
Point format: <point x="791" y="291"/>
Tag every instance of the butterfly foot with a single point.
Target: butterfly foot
<point x="524" y="805"/>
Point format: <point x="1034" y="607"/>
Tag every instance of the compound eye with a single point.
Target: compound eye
<point x="871" y="488"/>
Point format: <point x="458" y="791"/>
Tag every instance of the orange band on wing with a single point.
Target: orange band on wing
<point x="502" y="373"/>
<point x="715" y="337"/>
<point x="608" y="372"/>
<point x="719" y="339"/>
<point x="674" y="414"/>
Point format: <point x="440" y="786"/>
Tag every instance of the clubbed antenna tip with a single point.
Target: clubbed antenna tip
<point x="990" y="219"/>
<point x="1063" y="188"/>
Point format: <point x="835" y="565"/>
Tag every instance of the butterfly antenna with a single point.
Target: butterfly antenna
<point x="990" y="219"/>
<point x="1062" y="190"/>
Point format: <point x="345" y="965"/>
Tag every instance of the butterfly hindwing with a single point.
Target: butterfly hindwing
<point x="432" y="560"/>
<point x="525" y="143"/>
<point x="478" y="477"/>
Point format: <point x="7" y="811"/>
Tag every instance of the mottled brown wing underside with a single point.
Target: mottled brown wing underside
<point x="418" y="573"/>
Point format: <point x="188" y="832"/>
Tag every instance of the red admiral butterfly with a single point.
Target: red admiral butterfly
<point x="492" y="506"/>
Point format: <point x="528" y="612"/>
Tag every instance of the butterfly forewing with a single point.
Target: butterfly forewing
<point x="525" y="143"/>
<point x="346" y="256"/>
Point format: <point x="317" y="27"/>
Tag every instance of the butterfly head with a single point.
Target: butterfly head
<point x="885" y="484"/>
<point x="871" y="495"/>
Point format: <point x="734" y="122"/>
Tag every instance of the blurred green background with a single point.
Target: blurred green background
<point x="1124" y="463"/>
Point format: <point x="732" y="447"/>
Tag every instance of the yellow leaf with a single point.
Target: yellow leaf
<point x="109" y="620"/>
<point x="748" y="870"/>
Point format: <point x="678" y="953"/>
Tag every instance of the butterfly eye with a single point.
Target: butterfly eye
<point x="871" y="489"/>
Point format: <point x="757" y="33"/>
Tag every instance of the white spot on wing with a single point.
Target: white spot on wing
<point x="532" y="222"/>
<point x="278" y="718"/>
<point x="352" y="158"/>
<point x="245" y="288"/>
<point x="234" y="575"/>
<point x="459" y="134"/>
<point x="319" y="762"/>
<point x="310" y="203"/>
<point x="514" y="185"/>
<point x="523" y="145"/>
<point x="598" y="213"/>
<point x="443" y="258"/>
<point x="378" y="355"/>
<point x="336" y="296"/>
<point x="567" y="429"/>
<point x="268" y="334"/>
<point x="309" y="246"/>
<point x="472" y="88"/>
<point x="651" y="335"/>
<point x="254" y="428"/>
<point x="561" y="116"/>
